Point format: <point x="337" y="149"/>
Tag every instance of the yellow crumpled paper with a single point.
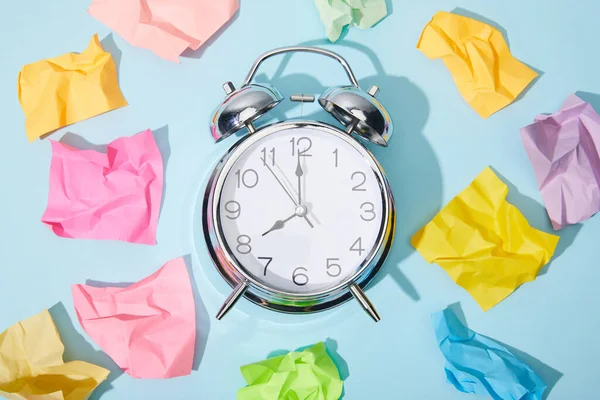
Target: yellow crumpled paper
<point x="60" y="91"/>
<point x="484" y="243"/>
<point x="32" y="367"/>
<point x="487" y="75"/>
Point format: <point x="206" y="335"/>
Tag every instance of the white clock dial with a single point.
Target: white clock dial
<point x="301" y="210"/>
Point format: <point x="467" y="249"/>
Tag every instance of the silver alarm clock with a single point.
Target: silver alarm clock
<point x="298" y="216"/>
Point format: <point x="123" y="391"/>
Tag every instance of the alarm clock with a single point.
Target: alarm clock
<point x="298" y="216"/>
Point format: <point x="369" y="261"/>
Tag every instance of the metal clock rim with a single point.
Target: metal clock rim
<point x="235" y="153"/>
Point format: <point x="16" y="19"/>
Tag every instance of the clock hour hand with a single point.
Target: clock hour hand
<point x="299" y="174"/>
<point x="279" y="224"/>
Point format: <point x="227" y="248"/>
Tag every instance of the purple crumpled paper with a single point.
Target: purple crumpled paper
<point x="564" y="151"/>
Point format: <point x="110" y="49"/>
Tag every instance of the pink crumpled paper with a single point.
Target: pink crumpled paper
<point x="167" y="27"/>
<point x="112" y="196"/>
<point x="564" y="150"/>
<point x="148" y="328"/>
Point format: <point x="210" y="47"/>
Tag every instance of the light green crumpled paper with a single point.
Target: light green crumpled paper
<point x="299" y="375"/>
<point x="336" y="14"/>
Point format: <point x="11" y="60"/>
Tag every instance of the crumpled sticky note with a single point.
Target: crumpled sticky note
<point x="336" y="14"/>
<point x="477" y="364"/>
<point x="564" y="150"/>
<point x="487" y="75"/>
<point x="60" y="91"/>
<point x="112" y="196"/>
<point x="148" y="328"/>
<point x="32" y="366"/>
<point x="166" y="27"/>
<point x="484" y="243"/>
<point x="299" y="375"/>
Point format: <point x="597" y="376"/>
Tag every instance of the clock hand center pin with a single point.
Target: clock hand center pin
<point x="300" y="211"/>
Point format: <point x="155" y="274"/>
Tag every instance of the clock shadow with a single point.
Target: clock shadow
<point x="409" y="161"/>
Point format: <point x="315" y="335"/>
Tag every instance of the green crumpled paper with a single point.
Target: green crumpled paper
<point x="336" y="14"/>
<point x="299" y="375"/>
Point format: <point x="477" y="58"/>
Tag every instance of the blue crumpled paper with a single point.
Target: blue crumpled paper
<point x="477" y="364"/>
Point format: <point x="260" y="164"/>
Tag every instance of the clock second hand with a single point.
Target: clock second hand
<point x="286" y="191"/>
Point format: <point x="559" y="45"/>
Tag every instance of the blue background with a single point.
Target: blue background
<point x="440" y="145"/>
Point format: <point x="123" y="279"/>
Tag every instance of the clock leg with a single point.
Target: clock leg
<point x="364" y="301"/>
<point x="238" y="291"/>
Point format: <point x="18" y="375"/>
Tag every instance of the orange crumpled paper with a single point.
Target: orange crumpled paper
<point x="60" y="91"/>
<point x="484" y="243"/>
<point x="487" y="75"/>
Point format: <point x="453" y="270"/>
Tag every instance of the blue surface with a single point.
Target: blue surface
<point x="440" y="145"/>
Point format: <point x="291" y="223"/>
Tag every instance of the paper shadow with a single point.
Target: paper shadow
<point x="592" y="98"/>
<point x="458" y="311"/>
<point x="202" y="317"/>
<point x="409" y="161"/>
<point x="191" y="53"/>
<point x="99" y="284"/>
<point x="79" y="142"/>
<point x="390" y="8"/>
<point x="478" y="17"/>
<point x="332" y="350"/>
<point x="332" y="347"/>
<point x="108" y="44"/>
<point x="161" y="137"/>
<point x="536" y="215"/>
<point x="549" y="375"/>
<point x="531" y="84"/>
<point x="77" y="348"/>
<point x="340" y="363"/>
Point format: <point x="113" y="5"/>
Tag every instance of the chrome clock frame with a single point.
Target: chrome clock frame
<point x="257" y="292"/>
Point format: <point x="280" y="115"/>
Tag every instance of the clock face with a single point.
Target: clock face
<point x="301" y="210"/>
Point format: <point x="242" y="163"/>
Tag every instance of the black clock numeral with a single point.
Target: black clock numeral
<point x="368" y="210"/>
<point x="361" y="177"/>
<point x="268" y="259"/>
<point x="333" y="269"/>
<point x="243" y="246"/>
<point x="357" y="246"/>
<point x="264" y="157"/>
<point x="234" y="208"/>
<point x="303" y="141"/>
<point x="335" y="157"/>
<point x="299" y="277"/>
<point x="248" y="178"/>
